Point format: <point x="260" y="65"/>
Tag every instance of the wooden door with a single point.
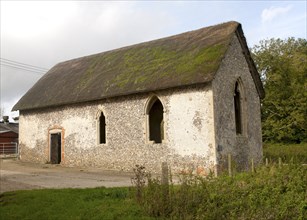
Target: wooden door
<point x="55" y="148"/>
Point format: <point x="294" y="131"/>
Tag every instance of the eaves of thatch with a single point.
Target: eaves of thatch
<point x="181" y="60"/>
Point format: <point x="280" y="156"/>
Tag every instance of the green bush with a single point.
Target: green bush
<point x="269" y="193"/>
<point x="291" y="152"/>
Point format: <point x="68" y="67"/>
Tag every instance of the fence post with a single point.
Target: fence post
<point x="266" y="162"/>
<point x="165" y="186"/>
<point x="229" y="165"/>
<point x="253" y="167"/>
<point x="164" y="179"/>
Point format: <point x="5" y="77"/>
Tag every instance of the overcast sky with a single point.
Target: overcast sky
<point x="42" y="33"/>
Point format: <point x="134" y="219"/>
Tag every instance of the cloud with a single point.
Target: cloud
<point x="43" y="33"/>
<point x="29" y="19"/>
<point x="47" y="32"/>
<point x="268" y="15"/>
<point x="278" y="22"/>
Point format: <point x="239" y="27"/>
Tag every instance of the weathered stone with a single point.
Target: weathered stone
<point x="199" y="126"/>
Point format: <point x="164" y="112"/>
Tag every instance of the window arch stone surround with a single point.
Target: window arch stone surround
<point x="155" y="116"/>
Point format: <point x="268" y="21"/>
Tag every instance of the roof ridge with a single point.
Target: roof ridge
<point x="149" y="41"/>
<point x="184" y="59"/>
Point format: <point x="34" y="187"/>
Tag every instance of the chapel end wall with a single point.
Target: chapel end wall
<point x="189" y="143"/>
<point x="248" y="145"/>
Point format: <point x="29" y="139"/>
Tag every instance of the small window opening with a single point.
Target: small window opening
<point x="238" y="110"/>
<point x="156" y="123"/>
<point x="102" y="129"/>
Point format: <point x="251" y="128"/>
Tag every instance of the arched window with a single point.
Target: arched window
<point x="102" y="129"/>
<point x="155" y="121"/>
<point x="238" y="109"/>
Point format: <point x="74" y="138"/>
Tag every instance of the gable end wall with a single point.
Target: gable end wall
<point x="247" y="146"/>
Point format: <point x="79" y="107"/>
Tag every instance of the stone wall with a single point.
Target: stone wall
<point x="189" y="143"/>
<point x="198" y="134"/>
<point x="243" y="147"/>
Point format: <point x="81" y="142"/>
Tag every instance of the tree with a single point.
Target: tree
<point x="282" y="65"/>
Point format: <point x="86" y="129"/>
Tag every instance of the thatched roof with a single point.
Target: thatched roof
<point x="185" y="59"/>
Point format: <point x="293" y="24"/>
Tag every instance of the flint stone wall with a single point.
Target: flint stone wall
<point x="188" y="145"/>
<point x="199" y="127"/>
<point x="248" y="145"/>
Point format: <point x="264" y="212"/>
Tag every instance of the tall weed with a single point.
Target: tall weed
<point x="295" y="153"/>
<point x="269" y="193"/>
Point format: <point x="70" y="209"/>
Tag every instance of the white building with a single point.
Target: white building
<point x="189" y="100"/>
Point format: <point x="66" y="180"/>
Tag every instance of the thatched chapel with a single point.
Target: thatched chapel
<point x="188" y="100"/>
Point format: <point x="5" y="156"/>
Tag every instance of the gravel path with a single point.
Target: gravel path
<point x="17" y="175"/>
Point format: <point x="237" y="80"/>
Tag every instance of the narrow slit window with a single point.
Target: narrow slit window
<point x="238" y="109"/>
<point x="102" y="129"/>
<point x="156" y="123"/>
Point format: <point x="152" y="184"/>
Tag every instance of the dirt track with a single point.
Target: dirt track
<point x="17" y="175"/>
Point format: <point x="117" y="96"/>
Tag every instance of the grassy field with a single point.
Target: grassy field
<point x="269" y="193"/>
<point x="98" y="203"/>
<point x="287" y="152"/>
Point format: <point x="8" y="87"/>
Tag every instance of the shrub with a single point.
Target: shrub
<point x="269" y="193"/>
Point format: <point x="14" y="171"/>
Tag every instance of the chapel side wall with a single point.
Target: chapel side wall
<point x="32" y="140"/>
<point x="189" y="134"/>
<point x="191" y="128"/>
<point x="248" y="145"/>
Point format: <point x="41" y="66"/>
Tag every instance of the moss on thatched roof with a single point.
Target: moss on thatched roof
<point x="185" y="59"/>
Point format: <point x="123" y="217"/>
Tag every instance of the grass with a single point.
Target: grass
<point x="97" y="203"/>
<point x="271" y="192"/>
<point x="287" y="152"/>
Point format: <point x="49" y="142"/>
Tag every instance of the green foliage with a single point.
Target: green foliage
<point x="270" y="193"/>
<point x="139" y="181"/>
<point x="98" y="203"/>
<point x="156" y="199"/>
<point x="288" y="153"/>
<point x="283" y="68"/>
